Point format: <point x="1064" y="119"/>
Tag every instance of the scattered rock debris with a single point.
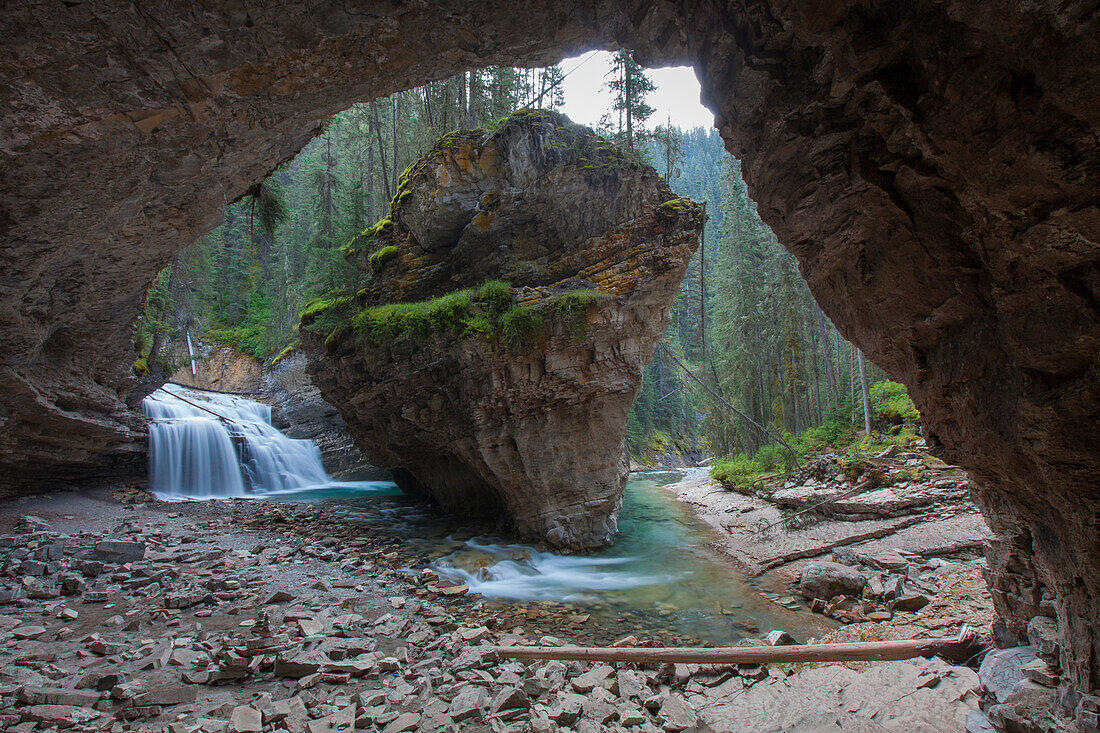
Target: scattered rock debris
<point x="242" y="617"/>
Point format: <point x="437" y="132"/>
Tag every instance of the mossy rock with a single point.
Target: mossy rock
<point x="673" y="209"/>
<point x="379" y="259"/>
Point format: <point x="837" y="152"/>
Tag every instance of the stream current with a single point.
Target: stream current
<point x="658" y="575"/>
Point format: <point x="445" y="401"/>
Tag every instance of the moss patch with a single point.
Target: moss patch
<point x="379" y="259"/>
<point x="290" y="349"/>
<point x="488" y="311"/>
<point x="571" y="309"/>
<point x="325" y="312"/>
<point x="673" y="209"/>
<point x="367" y="238"/>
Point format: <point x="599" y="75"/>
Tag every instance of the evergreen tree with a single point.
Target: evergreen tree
<point x="630" y="86"/>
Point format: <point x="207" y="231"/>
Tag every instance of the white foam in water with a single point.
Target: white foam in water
<point x="521" y="572"/>
<point x="228" y="449"/>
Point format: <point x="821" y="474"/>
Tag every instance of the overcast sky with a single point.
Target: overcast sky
<point x="676" y="96"/>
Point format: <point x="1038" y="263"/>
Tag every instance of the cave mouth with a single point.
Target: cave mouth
<point x="933" y="173"/>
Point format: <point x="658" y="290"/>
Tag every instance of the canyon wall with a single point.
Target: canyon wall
<point x="933" y="166"/>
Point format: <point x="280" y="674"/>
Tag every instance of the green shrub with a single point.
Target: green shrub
<point x="496" y="295"/>
<point x="735" y="471"/>
<point x="890" y="402"/>
<point x="834" y="432"/>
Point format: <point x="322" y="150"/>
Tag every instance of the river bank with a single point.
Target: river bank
<point x="249" y="616"/>
<point x="926" y="536"/>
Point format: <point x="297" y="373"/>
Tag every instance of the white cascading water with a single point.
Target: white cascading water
<point x="205" y="445"/>
<point x="520" y="572"/>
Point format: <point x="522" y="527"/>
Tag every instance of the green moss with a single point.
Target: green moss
<point x="141" y="366"/>
<point x="571" y="309"/>
<point x="332" y="341"/>
<point x="290" y="349"/>
<point x="379" y="259"/>
<point x="490" y="201"/>
<point x="520" y="326"/>
<point x="324" y="313"/>
<point x="488" y="311"/>
<point x="366" y="238"/>
<point x="498" y="295"/>
<point x="383" y="323"/>
<point x="673" y="209"/>
<point x="316" y="306"/>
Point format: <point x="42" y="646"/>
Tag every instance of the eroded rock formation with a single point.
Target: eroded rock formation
<point x="298" y="410"/>
<point x="932" y="164"/>
<point x="504" y="313"/>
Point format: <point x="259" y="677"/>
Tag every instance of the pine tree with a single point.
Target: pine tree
<point x="630" y="86"/>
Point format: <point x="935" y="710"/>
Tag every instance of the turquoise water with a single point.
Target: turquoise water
<point x="658" y="573"/>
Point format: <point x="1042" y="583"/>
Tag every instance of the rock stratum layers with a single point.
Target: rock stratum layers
<point x="932" y="164"/>
<point x="502" y="316"/>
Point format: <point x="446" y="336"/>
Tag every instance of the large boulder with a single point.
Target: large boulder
<point x="499" y="322"/>
<point x="825" y="580"/>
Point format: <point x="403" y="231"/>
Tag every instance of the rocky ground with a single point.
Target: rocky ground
<point x="245" y="616"/>
<point x="895" y="552"/>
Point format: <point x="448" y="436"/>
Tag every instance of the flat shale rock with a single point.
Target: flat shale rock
<point x="510" y="398"/>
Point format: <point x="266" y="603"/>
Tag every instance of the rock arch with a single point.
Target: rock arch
<point x="933" y="166"/>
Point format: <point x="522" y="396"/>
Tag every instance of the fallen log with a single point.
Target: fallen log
<point x="774" y="562"/>
<point x="863" y="651"/>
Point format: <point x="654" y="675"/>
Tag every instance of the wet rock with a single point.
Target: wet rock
<point x="779" y="638"/>
<point x="825" y="580"/>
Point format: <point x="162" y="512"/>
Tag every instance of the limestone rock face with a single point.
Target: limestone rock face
<point x="508" y="398"/>
<point x="932" y="164"/>
<point x="298" y="410"/>
<point x="223" y="369"/>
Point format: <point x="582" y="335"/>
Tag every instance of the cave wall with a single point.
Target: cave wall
<point x="933" y="166"/>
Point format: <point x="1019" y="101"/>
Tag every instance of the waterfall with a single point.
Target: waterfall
<point x="206" y="445"/>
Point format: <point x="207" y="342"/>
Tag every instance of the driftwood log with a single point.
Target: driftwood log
<point x="958" y="648"/>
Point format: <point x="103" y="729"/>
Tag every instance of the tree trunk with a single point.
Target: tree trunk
<point x="381" y="149"/>
<point x="395" y="99"/>
<point x="866" y="394"/>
